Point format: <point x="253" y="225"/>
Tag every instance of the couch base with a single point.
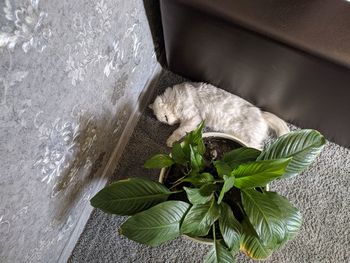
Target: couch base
<point x="309" y="91"/>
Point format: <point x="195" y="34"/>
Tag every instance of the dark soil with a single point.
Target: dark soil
<point x="215" y="150"/>
<point x="217" y="147"/>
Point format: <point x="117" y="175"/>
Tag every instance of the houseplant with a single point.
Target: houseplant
<point x="223" y="199"/>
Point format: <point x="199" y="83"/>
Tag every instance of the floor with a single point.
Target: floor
<point x="322" y="193"/>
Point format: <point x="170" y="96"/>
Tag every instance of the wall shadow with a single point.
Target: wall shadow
<point x="92" y="150"/>
<point x="94" y="144"/>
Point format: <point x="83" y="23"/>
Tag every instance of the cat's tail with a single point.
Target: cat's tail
<point x="275" y="123"/>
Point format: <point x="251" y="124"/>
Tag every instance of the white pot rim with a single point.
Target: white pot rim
<point x="224" y="136"/>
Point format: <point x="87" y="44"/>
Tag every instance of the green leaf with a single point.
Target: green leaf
<point x="156" y="225"/>
<point x="197" y="162"/>
<point x="290" y="215"/>
<point x="200" y="218"/>
<point x="228" y="184"/>
<point x="199" y="179"/>
<point x="251" y="244"/>
<point x="129" y="196"/>
<point x="200" y="195"/>
<point x="159" y="161"/>
<point x="201" y="147"/>
<point x="178" y="154"/>
<point x="265" y="217"/>
<point x="222" y="168"/>
<point x="194" y="139"/>
<point x="230" y="228"/>
<point x="241" y="155"/>
<point x="259" y="173"/>
<point x="303" y="146"/>
<point x="219" y="254"/>
<point x="195" y="136"/>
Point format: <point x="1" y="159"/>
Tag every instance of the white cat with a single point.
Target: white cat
<point x="190" y="103"/>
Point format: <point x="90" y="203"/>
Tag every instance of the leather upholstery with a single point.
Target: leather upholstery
<point x="321" y="27"/>
<point x="299" y="77"/>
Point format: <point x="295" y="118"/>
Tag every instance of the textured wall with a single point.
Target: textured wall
<point x="70" y="75"/>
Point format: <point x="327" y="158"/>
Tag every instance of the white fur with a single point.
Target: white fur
<point x="190" y="103"/>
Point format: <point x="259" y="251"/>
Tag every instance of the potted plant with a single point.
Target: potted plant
<point x="215" y="194"/>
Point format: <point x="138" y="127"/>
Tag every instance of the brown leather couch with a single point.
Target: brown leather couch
<point x="289" y="57"/>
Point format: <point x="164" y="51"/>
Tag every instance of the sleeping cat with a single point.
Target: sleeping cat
<point x="190" y="103"/>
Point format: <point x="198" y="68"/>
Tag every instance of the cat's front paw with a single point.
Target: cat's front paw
<point x="173" y="138"/>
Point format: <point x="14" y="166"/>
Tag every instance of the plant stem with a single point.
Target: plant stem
<point x="177" y="181"/>
<point x="176" y="192"/>
<point x="240" y="207"/>
<point x="214" y="236"/>
<point x="175" y="185"/>
<point x="219" y="181"/>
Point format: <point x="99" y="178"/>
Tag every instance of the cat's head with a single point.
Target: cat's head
<point x="163" y="108"/>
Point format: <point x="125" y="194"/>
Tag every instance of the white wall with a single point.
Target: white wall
<point x="70" y="76"/>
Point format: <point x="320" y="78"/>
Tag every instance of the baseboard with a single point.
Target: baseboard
<point x="142" y="102"/>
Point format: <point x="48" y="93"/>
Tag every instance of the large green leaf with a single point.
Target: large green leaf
<point x="199" y="179"/>
<point x="197" y="161"/>
<point x="201" y="147"/>
<point x="259" y="173"/>
<point x="194" y="139"/>
<point x="228" y="184"/>
<point x="159" y="161"/>
<point x="200" y="195"/>
<point x="303" y="146"/>
<point x="195" y="136"/>
<point x="219" y="254"/>
<point x="222" y="168"/>
<point x="130" y="196"/>
<point x="251" y="244"/>
<point x="178" y="154"/>
<point x="290" y="215"/>
<point x="241" y="155"/>
<point x="230" y="228"/>
<point x="156" y="225"/>
<point x="265" y="217"/>
<point x="199" y="218"/>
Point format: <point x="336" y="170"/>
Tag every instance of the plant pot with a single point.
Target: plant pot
<point x="207" y="135"/>
<point x="162" y="174"/>
<point x="236" y="180"/>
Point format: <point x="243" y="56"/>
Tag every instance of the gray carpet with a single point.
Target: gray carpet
<point x="322" y="193"/>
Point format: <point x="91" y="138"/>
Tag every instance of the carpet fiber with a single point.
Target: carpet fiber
<point x="322" y="193"/>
